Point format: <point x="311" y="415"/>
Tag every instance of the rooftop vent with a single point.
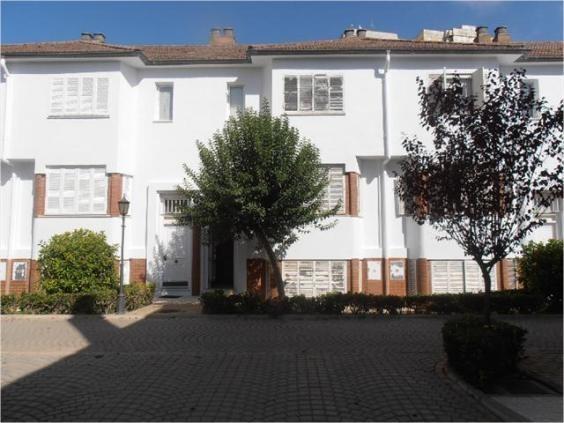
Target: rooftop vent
<point x="369" y="33"/>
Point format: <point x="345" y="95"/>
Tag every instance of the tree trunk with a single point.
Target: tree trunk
<point x="488" y="289"/>
<point x="273" y="262"/>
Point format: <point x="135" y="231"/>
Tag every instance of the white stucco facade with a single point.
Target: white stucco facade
<point x="380" y="108"/>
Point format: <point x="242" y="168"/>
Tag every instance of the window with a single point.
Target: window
<point x="465" y="80"/>
<point x="171" y="206"/>
<point x="236" y="100"/>
<point x="532" y="86"/>
<point x="19" y="271"/>
<point x="81" y="190"/>
<point x="313" y="278"/>
<point x="165" y="98"/>
<point x="335" y="191"/>
<point x="400" y="205"/>
<point x="313" y="93"/>
<point x="79" y="96"/>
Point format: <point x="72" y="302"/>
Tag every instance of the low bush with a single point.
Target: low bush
<point x="502" y="302"/>
<point x="96" y="302"/>
<point x="481" y="353"/>
<point x="540" y="271"/>
<point x="76" y="262"/>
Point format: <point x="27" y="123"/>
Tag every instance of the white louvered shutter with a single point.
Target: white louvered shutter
<point x="473" y="280"/>
<point x="84" y="191"/>
<point x="72" y="99"/>
<point x="478" y="83"/>
<point x="54" y="185"/>
<point x="100" y="191"/>
<point x="447" y="276"/>
<point x="338" y="276"/>
<point x="102" y="95"/>
<point x="87" y="96"/>
<point x="321" y="93"/>
<point x="291" y="93"/>
<point x="305" y="278"/>
<point x="335" y="191"/>
<point x="70" y="190"/>
<point x="58" y="96"/>
<point x="336" y="93"/>
<point x="290" y="271"/>
<point x="306" y="93"/>
<point x="322" y="278"/>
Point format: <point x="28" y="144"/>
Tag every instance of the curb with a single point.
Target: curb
<point x="500" y="410"/>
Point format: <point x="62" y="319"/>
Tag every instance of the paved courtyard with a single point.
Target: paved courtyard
<point x="229" y="368"/>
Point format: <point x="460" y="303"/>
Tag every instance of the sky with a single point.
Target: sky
<point x="154" y="22"/>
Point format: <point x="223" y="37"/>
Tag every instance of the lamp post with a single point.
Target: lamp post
<point x="123" y="209"/>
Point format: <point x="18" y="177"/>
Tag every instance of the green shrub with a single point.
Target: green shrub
<point x="216" y="302"/>
<point x="96" y="302"/>
<point x="481" y="353"/>
<point x="248" y="303"/>
<point x="277" y="306"/>
<point x="8" y="304"/>
<point x="540" y="271"/>
<point x="333" y="303"/>
<point x="301" y="304"/>
<point x="77" y="261"/>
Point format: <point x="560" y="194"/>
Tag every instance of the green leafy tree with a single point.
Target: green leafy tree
<point x="259" y="180"/>
<point x="494" y="169"/>
<point x="77" y="261"/>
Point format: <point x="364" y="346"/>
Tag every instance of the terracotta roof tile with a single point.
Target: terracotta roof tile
<point x="177" y="54"/>
<point x="543" y="51"/>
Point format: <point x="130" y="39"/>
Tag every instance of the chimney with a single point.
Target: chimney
<point x="361" y="33"/>
<point x="482" y="35"/>
<point x="86" y="36"/>
<point x="99" y="37"/>
<point x="502" y="36"/>
<point x="222" y="38"/>
<point x="348" y="33"/>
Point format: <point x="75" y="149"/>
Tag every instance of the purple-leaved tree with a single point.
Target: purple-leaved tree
<point x="495" y="166"/>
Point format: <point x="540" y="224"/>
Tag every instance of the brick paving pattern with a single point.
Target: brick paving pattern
<point x="229" y="368"/>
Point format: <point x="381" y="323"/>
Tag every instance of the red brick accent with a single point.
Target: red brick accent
<point x="115" y="188"/>
<point x="354" y="272"/>
<point x="351" y="203"/>
<point x="505" y="275"/>
<point x="196" y="252"/>
<point x="39" y="194"/>
<point x="34" y="276"/>
<point x="137" y="270"/>
<point x="395" y="286"/>
<point x="273" y="293"/>
<point x="372" y="286"/>
<point x="423" y="277"/>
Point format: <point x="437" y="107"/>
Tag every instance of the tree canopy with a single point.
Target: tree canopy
<point x="258" y="179"/>
<point x="495" y="167"/>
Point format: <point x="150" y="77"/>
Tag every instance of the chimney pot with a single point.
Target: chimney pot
<point x="99" y="37"/>
<point x="482" y="35"/>
<point x="86" y="36"/>
<point x="361" y="33"/>
<point x="349" y="32"/>
<point x="502" y="35"/>
<point x="228" y="32"/>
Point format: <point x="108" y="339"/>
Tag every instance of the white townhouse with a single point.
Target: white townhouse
<point x="85" y="121"/>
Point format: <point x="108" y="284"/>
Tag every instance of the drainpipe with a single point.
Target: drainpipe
<point x="5" y="122"/>
<point x="387" y="158"/>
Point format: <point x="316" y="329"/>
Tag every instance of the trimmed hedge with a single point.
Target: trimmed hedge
<point x="503" y="302"/>
<point x="97" y="302"/>
<point x="481" y="353"/>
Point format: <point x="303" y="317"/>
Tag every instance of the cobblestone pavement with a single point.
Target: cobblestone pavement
<point x="229" y="368"/>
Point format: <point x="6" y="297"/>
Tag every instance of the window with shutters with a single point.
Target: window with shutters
<point x="335" y="192"/>
<point x="76" y="190"/>
<point x="79" y="96"/>
<point x="236" y="99"/>
<point x="446" y="79"/>
<point x="165" y="101"/>
<point x="313" y="93"/>
<point x="314" y="278"/>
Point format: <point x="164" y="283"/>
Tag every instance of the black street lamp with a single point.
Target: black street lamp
<point x="123" y="209"/>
